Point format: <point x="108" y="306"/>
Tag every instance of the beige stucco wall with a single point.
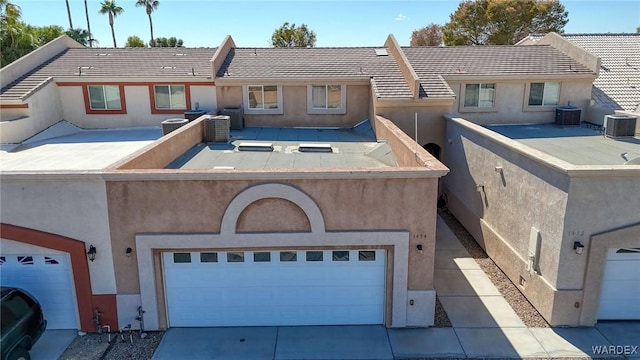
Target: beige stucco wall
<point x="197" y="207"/>
<point x="295" y="107"/>
<point x="565" y="203"/>
<point x="45" y="109"/>
<point x="500" y="208"/>
<point x="431" y="125"/>
<point x="511" y="102"/>
<point x="138" y="107"/>
<point x="71" y="207"/>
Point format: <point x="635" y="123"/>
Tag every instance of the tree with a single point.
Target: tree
<point x="112" y="9"/>
<point x="90" y="40"/>
<point x="15" y="38"/>
<point x="638" y="30"/>
<point x="45" y="34"/>
<point x="149" y="5"/>
<point x="167" y="42"/>
<point x="69" y="14"/>
<point x="135" y="41"/>
<point x="80" y="35"/>
<point x="502" y="22"/>
<point x="288" y="35"/>
<point x="430" y="35"/>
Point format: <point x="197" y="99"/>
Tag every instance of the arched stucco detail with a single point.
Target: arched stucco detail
<point x="265" y="191"/>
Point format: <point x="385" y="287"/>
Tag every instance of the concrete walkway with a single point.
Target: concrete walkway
<point x="484" y="326"/>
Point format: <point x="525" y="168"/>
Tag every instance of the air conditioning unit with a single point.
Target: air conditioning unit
<point x="193" y="114"/>
<point x="170" y="125"/>
<point x="236" y="115"/>
<point x="568" y="116"/>
<point x="620" y="125"/>
<point x="216" y="129"/>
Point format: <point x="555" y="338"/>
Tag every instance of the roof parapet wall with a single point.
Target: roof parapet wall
<point x="23" y="65"/>
<point x="570" y="49"/>
<point x="221" y="54"/>
<point x="407" y="70"/>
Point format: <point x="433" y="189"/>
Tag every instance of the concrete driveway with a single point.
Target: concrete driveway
<point x="301" y="342"/>
<point x="617" y="339"/>
<point x="52" y="344"/>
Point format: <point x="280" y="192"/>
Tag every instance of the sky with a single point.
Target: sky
<point x="205" y="23"/>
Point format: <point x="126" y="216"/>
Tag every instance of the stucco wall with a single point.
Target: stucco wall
<point x="197" y="207"/>
<point x="294" y="99"/>
<point x="69" y="207"/>
<point x="138" y="107"/>
<point x="511" y="102"/>
<point x="500" y="208"/>
<point x="45" y="109"/>
<point x="431" y="125"/>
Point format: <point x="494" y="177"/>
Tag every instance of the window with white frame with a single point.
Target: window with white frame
<point x="544" y="94"/>
<point x="104" y="97"/>
<point x="326" y="99"/>
<point x="170" y="97"/>
<point x="263" y="97"/>
<point x="326" y="96"/>
<point x="480" y="95"/>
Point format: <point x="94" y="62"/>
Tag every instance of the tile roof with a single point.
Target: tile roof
<point x="492" y="60"/>
<point x="309" y="63"/>
<point x="119" y="63"/>
<point x="618" y="85"/>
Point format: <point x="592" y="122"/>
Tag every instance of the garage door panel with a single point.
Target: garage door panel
<point x="620" y="290"/>
<point x="297" y="292"/>
<point x="48" y="278"/>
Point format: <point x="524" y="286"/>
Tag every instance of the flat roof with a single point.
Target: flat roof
<point x="350" y="148"/>
<point x="77" y="149"/>
<point x="578" y="145"/>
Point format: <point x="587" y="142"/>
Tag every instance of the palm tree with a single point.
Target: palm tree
<point x="110" y="7"/>
<point x="69" y="14"/>
<point x="90" y="40"/>
<point x="149" y="5"/>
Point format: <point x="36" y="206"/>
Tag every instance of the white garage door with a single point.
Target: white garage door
<point x="334" y="287"/>
<point x="48" y="278"/>
<point x="620" y="294"/>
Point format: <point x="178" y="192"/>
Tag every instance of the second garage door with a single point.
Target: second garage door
<point x="620" y="293"/>
<point x="259" y="288"/>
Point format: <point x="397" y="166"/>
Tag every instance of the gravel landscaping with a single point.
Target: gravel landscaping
<point x="527" y="313"/>
<point x="97" y="347"/>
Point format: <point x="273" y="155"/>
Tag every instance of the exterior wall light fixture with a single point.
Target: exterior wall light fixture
<point x="578" y="247"/>
<point x="92" y="253"/>
<point x="419" y="247"/>
<point x="129" y="250"/>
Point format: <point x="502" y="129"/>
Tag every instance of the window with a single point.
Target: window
<point x="340" y="256"/>
<point x="235" y="257"/>
<point x="25" y="260"/>
<point x="263" y="256"/>
<point x="181" y="258"/>
<point x="544" y="94"/>
<point x="208" y="257"/>
<point x="288" y="256"/>
<point x="367" y="255"/>
<point x="326" y="96"/>
<point x="326" y="99"/>
<point x="104" y="97"/>
<point x="479" y="95"/>
<point x="263" y="97"/>
<point x="314" y="255"/>
<point x="50" y="261"/>
<point x="170" y="97"/>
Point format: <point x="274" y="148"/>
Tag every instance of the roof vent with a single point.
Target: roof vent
<point x="167" y="67"/>
<point x="315" y="147"/>
<point x="224" y="167"/>
<point x="103" y="54"/>
<point x="255" y="146"/>
<point x="179" y="54"/>
<point x="381" y="52"/>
